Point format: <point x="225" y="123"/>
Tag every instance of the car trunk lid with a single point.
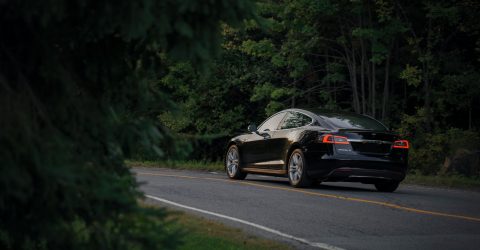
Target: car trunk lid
<point x="369" y="141"/>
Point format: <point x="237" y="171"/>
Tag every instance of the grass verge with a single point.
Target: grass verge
<point x="204" y="234"/>
<point x="190" y="165"/>
<point x="447" y="181"/>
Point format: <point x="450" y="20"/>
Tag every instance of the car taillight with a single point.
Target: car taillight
<point x="401" y="144"/>
<point x="335" y="139"/>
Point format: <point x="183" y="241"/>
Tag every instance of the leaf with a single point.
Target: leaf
<point x="262" y="48"/>
<point x="412" y="75"/>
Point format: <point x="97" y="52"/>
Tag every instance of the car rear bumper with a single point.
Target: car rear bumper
<point x="356" y="169"/>
<point x="363" y="175"/>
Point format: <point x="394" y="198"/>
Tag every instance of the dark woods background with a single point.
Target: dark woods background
<point x="85" y="84"/>
<point x="79" y="92"/>
<point x="412" y="64"/>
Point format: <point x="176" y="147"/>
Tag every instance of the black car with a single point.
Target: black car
<point x="317" y="145"/>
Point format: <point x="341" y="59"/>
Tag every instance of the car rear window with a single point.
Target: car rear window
<point x="353" y="121"/>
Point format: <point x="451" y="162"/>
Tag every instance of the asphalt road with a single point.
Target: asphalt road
<point x="330" y="215"/>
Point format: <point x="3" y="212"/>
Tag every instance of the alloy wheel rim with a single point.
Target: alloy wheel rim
<point x="232" y="161"/>
<point x="295" y="168"/>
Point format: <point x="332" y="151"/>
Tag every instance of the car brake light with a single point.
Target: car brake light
<point x="401" y="144"/>
<point x="334" y="139"/>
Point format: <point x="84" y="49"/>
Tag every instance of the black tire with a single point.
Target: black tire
<point x="316" y="183"/>
<point x="387" y="186"/>
<point x="232" y="164"/>
<point x="296" y="167"/>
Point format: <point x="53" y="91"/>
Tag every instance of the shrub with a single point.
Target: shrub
<point x="433" y="152"/>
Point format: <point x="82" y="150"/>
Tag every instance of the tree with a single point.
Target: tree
<point x="77" y="95"/>
<point x="411" y="64"/>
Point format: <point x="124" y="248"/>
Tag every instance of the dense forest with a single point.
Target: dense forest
<point x="86" y="84"/>
<point x="76" y="95"/>
<point x="412" y="64"/>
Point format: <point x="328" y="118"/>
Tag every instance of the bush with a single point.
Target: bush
<point x="426" y="153"/>
<point x="77" y="95"/>
<point x="443" y="151"/>
<point x="209" y="148"/>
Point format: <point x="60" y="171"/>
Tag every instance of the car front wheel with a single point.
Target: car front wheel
<point x="297" y="174"/>
<point x="232" y="164"/>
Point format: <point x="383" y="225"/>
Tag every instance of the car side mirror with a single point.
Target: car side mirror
<point x="252" y="128"/>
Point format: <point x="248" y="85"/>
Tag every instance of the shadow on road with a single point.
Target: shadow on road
<point x="315" y="186"/>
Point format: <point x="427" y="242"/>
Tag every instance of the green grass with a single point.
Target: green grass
<point x="190" y="165"/>
<point x="206" y="234"/>
<point x="448" y="181"/>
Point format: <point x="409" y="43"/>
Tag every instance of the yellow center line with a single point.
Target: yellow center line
<point x="379" y="203"/>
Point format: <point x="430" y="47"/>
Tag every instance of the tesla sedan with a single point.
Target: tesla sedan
<point x="316" y="145"/>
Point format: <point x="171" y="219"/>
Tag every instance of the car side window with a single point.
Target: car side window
<point x="272" y="123"/>
<point x="295" y="120"/>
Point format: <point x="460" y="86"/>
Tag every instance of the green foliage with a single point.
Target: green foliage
<point x="79" y="92"/>
<point x="460" y="89"/>
<point x="384" y="10"/>
<point x="429" y="154"/>
<point x="179" y="164"/>
<point x="262" y="48"/>
<point x="203" y="100"/>
<point x="430" y="150"/>
<point x="412" y="75"/>
<point x="271" y="94"/>
<point x="413" y="65"/>
<point x="262" y="91"/>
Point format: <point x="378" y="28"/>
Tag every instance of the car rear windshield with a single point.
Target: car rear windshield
<point x="353" y="121"/>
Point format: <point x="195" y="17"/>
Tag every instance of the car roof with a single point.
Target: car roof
<point x="325" y="112"/>
<point x="324" y="115"/>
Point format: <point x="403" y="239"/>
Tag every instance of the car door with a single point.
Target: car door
<point x="254" y="148"/>
<point x="286" y="134"/>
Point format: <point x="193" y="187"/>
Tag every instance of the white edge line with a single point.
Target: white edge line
<point x="264" y="228"/>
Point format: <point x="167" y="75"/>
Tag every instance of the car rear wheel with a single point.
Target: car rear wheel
<point x="297" y="174"/>
<point x="232" y="164"/>
<point x="387" y="186"/>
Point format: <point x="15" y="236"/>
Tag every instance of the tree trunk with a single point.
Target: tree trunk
<point x="373" y="89"/>
<point x="352" y="70"/>
<point x="369" y="89"/>
<point x="327" y="72"/>
<point x="427" y="81"/>
<point x="356" y="102"/>
<point x="427" y="104"/>
<point x="362" y="75"/>
<point x="362" y="66"/>
<point x="426" y="89"/>
<point x="470" y="117"/>
<point x="294" y="93"/>
<point x="370" y="72"/>
<point x="386" y="88"/>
